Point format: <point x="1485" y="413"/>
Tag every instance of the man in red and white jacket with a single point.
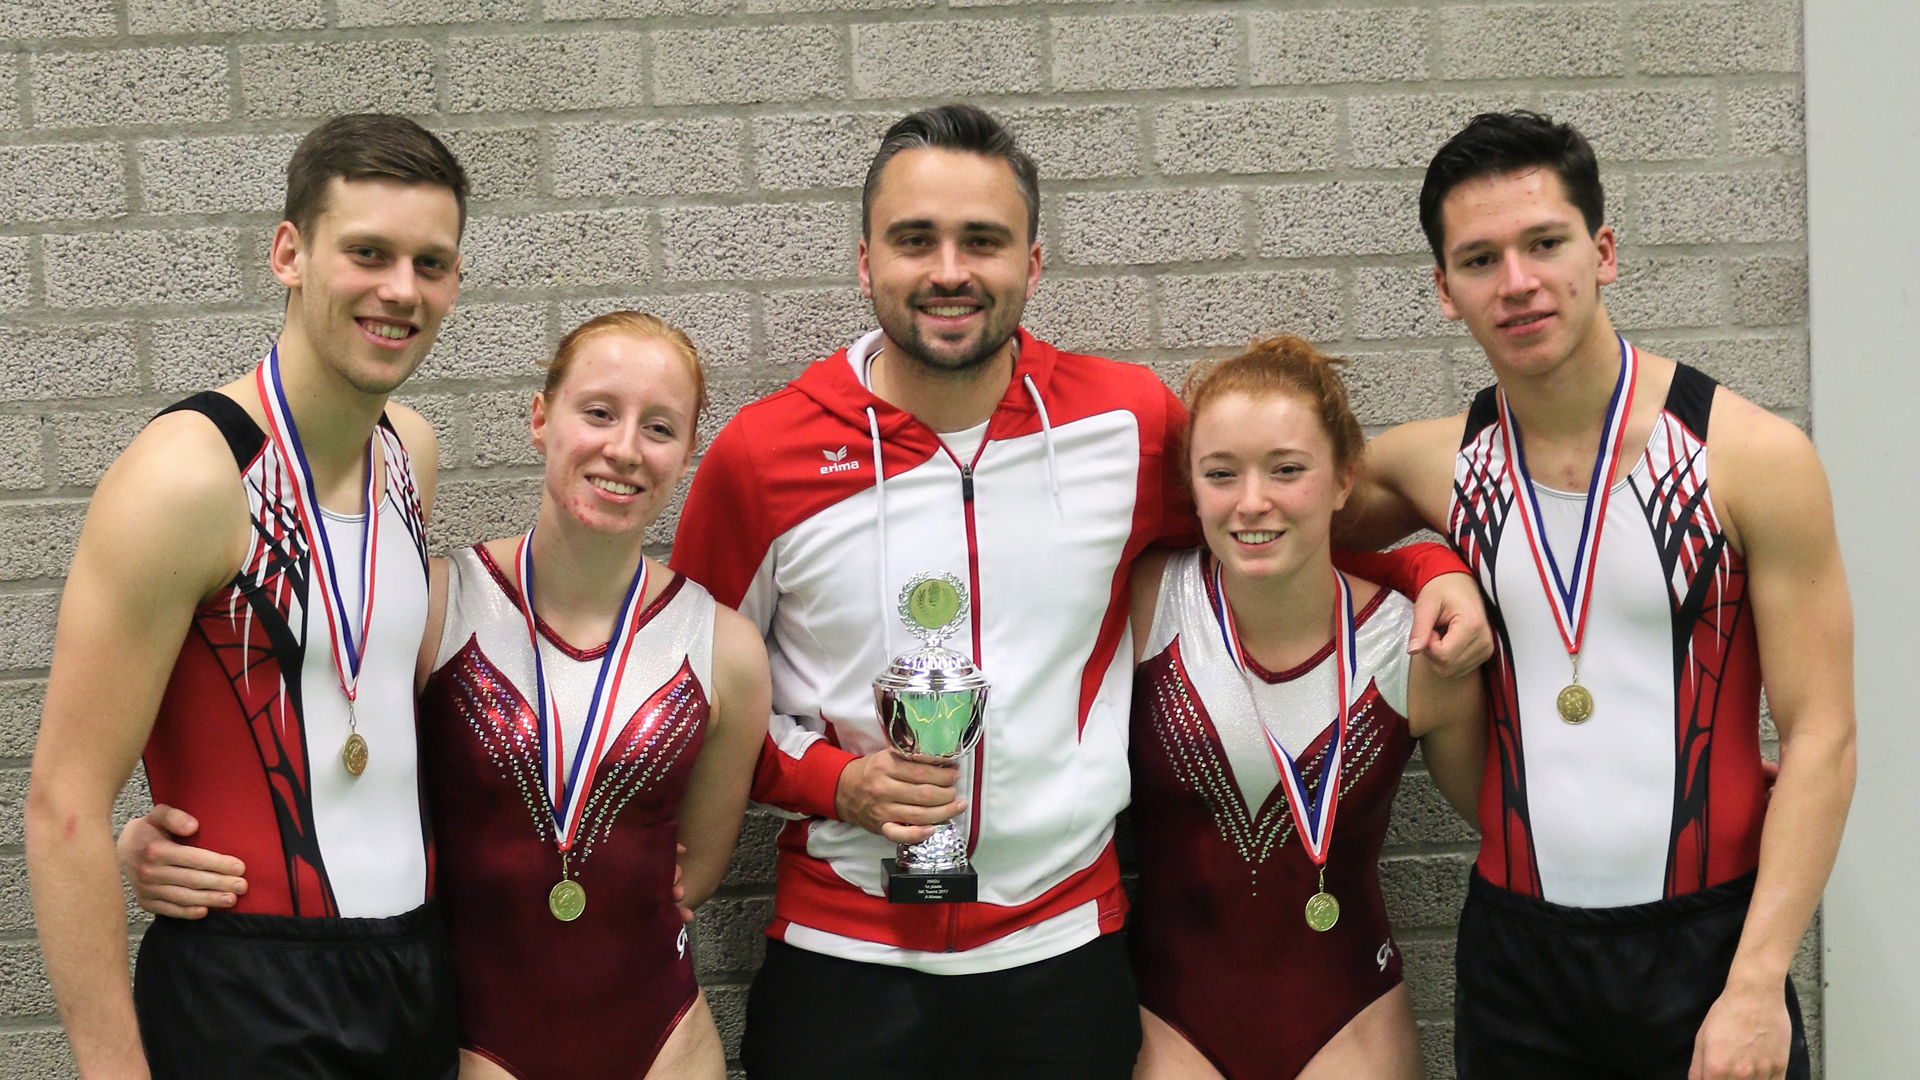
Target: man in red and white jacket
<point x="948" y="441"/>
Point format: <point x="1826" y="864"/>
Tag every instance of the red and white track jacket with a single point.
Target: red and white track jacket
<point x="1079" y="472"/>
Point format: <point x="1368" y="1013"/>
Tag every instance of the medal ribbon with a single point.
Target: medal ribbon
<point x="567" y="782"/>
<point x="1312" y="817"/>
<point x="348" y="650"/>
<point x="1570" y="601"/>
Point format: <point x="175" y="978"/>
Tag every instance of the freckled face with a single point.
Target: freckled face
<point x="1265" y="482"/>
<point x="618" y="432"/>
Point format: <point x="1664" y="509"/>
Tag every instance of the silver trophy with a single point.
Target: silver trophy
<point x="932" y="702"/>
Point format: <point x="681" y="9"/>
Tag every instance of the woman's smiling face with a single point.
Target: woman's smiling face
<point x="617" y="433"/>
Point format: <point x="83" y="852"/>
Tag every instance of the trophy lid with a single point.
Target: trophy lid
<point x="934" y="606"/>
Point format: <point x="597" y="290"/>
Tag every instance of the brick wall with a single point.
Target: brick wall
<point x="1212" y="170"/>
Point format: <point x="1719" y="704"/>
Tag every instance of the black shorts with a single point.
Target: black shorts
<point x="1595" y="993"/>
<point x="249" y="996"/>
<point x="817" y="1017"/>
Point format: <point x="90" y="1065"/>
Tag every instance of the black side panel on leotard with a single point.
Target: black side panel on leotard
<point x="1690" y="399"/>
<point x="244" y="437"/>
<point x="1483" y="414"/>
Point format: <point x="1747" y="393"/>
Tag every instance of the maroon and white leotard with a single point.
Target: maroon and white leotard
<point x="1221" y="947"/>
<point x="597" y="996"/>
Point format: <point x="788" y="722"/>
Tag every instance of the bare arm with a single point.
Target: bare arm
<point x="1449" y="717"/>
<point x="1774" y="494"/>
<point x="717" y="793"/>
<point x="1145" y="584"/>
<point x="144" y="562"/>
<point x="1403" y="485"/>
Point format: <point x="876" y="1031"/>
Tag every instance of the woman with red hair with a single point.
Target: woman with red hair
<point x="1275" y="705"/>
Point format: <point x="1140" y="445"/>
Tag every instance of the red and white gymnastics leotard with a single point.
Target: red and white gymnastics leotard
<point x="1221" y="947"/>
<point x="597" y="996"/>
<point x="248" y="734"/>
<point x="1660" y="793"/>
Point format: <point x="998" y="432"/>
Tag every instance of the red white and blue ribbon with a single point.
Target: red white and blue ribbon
<point x="347" y="633"/>
<point x="1570" y="594"/>
<point x="568" y="781"/>
<point x="1312" y="814"/>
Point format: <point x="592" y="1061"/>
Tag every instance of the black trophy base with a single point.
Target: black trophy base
<point x="960" y="886"/>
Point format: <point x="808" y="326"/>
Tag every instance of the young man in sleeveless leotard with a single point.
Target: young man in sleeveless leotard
<point x="670" y="715"/>
<point x="1244" y="650"/>
<point x="223" y="616"/>
<point x="1638" y="895"/>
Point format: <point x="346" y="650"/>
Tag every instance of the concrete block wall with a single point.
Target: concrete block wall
<point x="1212" y="170"/>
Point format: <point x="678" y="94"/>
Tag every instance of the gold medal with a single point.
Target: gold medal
<point x="1575" y="704"/>
<point x="1322" y="911"/>
<point x="354" y="755"/>
<point x="567" y="900"/>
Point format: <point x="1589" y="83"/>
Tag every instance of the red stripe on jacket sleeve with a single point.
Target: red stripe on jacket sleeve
<point x="803" y="785"/>
<point x="1405" y="570"/>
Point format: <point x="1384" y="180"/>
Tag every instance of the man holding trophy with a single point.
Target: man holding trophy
<point x="953" y="478"/>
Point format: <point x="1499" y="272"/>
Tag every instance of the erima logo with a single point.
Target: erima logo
<point x="837" y="462"/>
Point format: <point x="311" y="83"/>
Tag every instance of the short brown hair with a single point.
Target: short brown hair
<point x="1283" y="364"/>
<point x="360" y="146"/>
<point x="965" y="128"/>
<point x="634" y="324"/>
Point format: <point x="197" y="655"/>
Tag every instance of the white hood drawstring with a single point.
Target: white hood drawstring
<point x="880" y="520"/>
<point x="1046" y="437"/>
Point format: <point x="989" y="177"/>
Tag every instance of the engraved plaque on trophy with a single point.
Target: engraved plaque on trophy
<point x="932" y="702"/>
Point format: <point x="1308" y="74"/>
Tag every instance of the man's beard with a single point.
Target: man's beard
<point x="1002" y="319"/>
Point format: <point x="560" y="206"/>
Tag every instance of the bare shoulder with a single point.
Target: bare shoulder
<point x="416" y="434"/>
<point x="1363" y="591"/>
<point x="1144" y="583"/>
<point x="1434" y="439"/>
<point x="1766" y="473"/>
<point x="740" y="664"/>
<point x="179" y="465"/>
<point x="175" y="494"/>
<point x="1414" y="462"/>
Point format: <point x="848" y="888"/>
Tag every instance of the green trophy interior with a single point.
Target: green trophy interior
<point x="939" y="720"/>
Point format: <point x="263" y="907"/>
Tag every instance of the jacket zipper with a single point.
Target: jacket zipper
<point x="980" y="752"/>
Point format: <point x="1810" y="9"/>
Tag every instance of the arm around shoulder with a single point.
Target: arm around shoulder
<point x="1403" y="485"/>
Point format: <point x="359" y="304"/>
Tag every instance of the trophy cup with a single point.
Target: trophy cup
<point x="932" y="702"/>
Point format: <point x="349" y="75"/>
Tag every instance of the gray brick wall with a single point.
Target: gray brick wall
<point x="1211" y="171"/>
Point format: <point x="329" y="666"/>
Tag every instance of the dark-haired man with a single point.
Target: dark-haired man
<point x="244" y="609"/>
<point x="1637" y="897"/>
<point x="948" y="441"/>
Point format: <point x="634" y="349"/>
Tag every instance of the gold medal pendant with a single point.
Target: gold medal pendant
<point x="567" y="900"/>
<point x="354" y="755"/>
<point x="1575" y="704"/>
<point x="1322" y="911"/>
